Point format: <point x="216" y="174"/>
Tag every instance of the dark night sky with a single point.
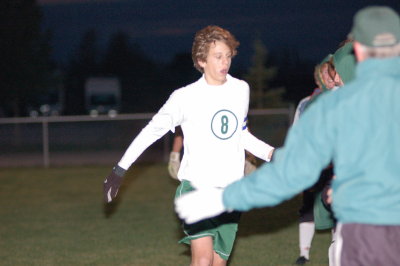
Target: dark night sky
<point x="165" y="27"/>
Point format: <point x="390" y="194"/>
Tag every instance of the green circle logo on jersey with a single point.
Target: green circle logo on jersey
<point x="224" y="124"/>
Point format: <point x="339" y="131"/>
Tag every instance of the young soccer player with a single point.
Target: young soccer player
<point x="212" y="113"/>
<point x="306" y="220"/>
<point x="335" y="71"/>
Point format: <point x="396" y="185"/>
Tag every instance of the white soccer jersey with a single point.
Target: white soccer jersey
<point x="300" y="108"/>
<point x="213" y="121"/>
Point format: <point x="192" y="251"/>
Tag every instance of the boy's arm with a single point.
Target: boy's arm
<point x="257" y="147"/>
<point x="145" y="138"/>
<point x="167" y="118"/>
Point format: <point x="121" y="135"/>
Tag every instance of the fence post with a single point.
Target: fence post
<point x="291" y="114"/>
<point x="45" y="136"/>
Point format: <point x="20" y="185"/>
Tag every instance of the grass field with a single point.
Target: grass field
<point x="56" y="217"/>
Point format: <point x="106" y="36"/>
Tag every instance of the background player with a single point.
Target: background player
<point x="306" y="220"/>
<point x="174" y="161"/>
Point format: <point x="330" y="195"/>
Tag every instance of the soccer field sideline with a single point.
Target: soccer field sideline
<point x="56" y="216"/>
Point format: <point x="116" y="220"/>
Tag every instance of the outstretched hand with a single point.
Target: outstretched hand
<point x="200" y="204"/>
<point x="112" y="183"/>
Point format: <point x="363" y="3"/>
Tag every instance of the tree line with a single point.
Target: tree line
<point x="27" y="70"/>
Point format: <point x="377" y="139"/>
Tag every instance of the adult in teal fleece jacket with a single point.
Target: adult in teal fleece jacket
<point x="358" y="127"/>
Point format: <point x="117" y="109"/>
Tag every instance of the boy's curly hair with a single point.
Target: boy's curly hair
<point x="203" y="40"/>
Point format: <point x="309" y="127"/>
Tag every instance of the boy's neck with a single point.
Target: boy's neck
<point x="214" y="82"/>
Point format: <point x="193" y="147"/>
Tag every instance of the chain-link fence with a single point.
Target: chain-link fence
<point x="83" y="140"/>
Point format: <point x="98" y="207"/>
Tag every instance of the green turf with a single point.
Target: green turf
<point x="56" y="217"/>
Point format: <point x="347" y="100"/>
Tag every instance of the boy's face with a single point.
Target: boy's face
<point x="329" y="82"/>
<point x="217" y="63"/>
<point x="335" y="77"/>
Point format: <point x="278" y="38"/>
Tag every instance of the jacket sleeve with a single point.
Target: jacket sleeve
<point x="308" y="149"/>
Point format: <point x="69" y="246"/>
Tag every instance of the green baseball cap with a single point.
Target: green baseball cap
<point x="376" y="26"/>
<point x="345" y="62"/>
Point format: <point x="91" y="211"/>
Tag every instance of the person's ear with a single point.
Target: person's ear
<point x="201" y="63"/>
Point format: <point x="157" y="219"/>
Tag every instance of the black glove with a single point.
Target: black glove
<point x="112" y="183"/>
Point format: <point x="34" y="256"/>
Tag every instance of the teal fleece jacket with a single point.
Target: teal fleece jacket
<point x="356" y="127"/>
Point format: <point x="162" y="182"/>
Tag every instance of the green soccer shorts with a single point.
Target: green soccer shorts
<point x="221" y="228"/>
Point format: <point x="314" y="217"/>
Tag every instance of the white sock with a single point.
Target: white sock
<point x="306" y="234"/>
<point x="332" y="249"/>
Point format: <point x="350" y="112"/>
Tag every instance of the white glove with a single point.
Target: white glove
<point x="200" y="204"/>
<point x="173" y="164"/>
<point x="249" y="167"/>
